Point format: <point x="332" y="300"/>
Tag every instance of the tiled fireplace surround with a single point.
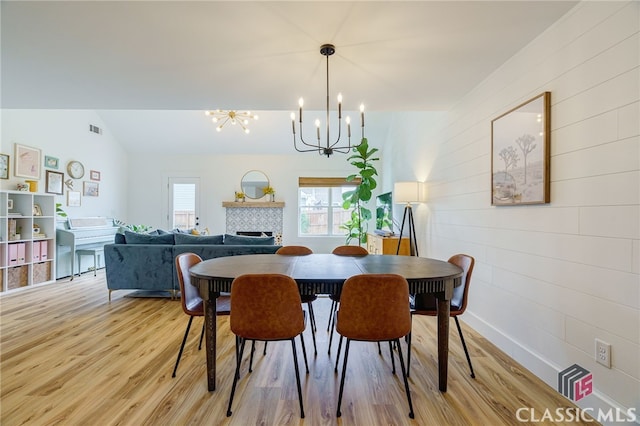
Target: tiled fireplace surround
<point x="255" y="217"/>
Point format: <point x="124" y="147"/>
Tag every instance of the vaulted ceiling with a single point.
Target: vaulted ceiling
<point x="150" y="68"/>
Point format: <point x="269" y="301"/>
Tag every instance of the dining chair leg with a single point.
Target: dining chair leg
<point x="344" y="372"/>
<point x="236" y="375"/>
<point x="331" y="334"/>
<point x="264" y="351"/>
<point x="295" y="364"/>
<point x="464" y="346"/>
<point x="201" y="337"/>
<point x="331" y="310"/>
<point x="408" y="353"/>
<point x="406" y="380"/>
<point x="393" y="362"/>
<point x="304" y="352"/>
<point x="184" y="340"/>
<point x="312" y="317"/>
<point x="379" y="348"/>
<point x="253" y="349"/>
<point x="338" y="354"/>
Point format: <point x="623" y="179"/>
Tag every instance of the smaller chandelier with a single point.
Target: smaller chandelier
<point x="223" y="117"/>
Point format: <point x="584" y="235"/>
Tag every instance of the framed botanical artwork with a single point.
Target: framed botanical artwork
<point x="4" y="166"/>
<point x="27" y="161"/>
<point x="73" y="198"/>
<point x="94" y="175"/>
<point x="520" y="145"/>
<point x="51" y="162"/>
<point x="90" y="189"/>
<point x="54" y="182"/>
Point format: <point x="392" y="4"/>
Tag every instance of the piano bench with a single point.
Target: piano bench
<point x="96" y="252"/>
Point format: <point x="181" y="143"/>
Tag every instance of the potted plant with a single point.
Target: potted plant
<point x="362" y="159"/>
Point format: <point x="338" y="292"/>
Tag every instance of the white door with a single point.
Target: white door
<point x="184" y="203"/>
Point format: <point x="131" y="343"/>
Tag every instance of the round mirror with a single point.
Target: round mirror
<point x="252" y="184"/>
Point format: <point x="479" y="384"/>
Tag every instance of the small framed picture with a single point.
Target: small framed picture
<point x="51" y="162"/>
<point x="9" y="204"/>
<point x="73" y="198"/>
<point x="54" y="182"/>
<point x="37" y="210"/>
<point x="91" y="189"/>
<point x="4" y="166"/>
<point x="27" y="161"/>
<point x="94" y="175"/>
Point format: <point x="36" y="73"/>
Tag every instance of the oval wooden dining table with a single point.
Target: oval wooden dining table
<point x="325" y="274"/>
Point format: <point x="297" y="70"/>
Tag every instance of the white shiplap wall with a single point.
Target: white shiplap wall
<point x="549" y="279"/>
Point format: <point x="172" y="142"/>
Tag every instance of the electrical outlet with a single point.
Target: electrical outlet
<point x="603" y="353"/>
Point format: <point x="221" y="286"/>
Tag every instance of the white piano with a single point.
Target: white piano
<point x="78" y="234"/>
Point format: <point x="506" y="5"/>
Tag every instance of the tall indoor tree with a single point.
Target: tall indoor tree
<point x="358" y="197"/>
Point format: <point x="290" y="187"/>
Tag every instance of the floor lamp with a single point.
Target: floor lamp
<point x="407" y="193"/>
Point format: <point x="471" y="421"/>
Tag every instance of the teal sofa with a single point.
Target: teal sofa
<point x="147" y="262"/>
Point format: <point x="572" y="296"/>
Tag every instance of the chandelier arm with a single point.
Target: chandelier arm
<point x="315" y="146"/>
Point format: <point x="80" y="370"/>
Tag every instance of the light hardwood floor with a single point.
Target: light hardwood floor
<point x="70" y="357"/>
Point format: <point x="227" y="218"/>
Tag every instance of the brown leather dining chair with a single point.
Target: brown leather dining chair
<point x="306" y="298"/>
<point x="256" y="314"/>
<point x="374" y="308"/>
<point x="335" y="298"/>
<point x="425" y="304"/>
<point x="192" y="304"/>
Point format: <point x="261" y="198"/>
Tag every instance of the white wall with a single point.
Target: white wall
<point x="549" y="279"/>
<point x="219" y="177"/>
<point x="64" y="134"/>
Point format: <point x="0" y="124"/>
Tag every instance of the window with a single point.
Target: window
<point x="320" y="211"/>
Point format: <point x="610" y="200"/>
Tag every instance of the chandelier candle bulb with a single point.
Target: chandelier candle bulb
<point x="348" y="120"/>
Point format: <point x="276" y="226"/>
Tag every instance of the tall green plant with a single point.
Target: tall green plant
<point x="357" y="198"/>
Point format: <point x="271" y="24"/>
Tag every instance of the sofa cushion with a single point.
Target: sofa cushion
<point x="236" y="240"/>
<point x="119" y="239"/>
<point x="198" y="239"/>
<point x="135" y="238"/>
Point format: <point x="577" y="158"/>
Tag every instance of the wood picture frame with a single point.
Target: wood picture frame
<point x="520" y="154"/>
<point x="27" y="161"/>
<point x="54" y="181"/>
<point x="4" y="166"/>
<point x="94" y="175"/>
<point x="90" y="189"/>
<point x="73" y="199"/>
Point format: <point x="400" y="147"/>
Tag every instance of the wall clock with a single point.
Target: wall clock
<point x="75" y="169"/>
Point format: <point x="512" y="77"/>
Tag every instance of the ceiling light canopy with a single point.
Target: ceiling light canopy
<point x="329" y="147"/>
<point x="224" y="116"/>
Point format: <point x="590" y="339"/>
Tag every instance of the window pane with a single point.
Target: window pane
<point x="184" y="205"/>
<point x="314" y="221"/>
<point x="314" y="196"/>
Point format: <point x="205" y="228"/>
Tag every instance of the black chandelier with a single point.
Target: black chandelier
<point x="329" y="147"/>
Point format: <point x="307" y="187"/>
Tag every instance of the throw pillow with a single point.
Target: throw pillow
<point x="236" y="240"/>
<point x="197" y="239"/>
<point x="135" y="238"/>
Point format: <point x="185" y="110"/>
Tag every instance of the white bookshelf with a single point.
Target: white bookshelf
<point x="27" y="258"/>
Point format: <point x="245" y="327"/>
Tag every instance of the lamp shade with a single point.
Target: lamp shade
<point x="409" y="192"/>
